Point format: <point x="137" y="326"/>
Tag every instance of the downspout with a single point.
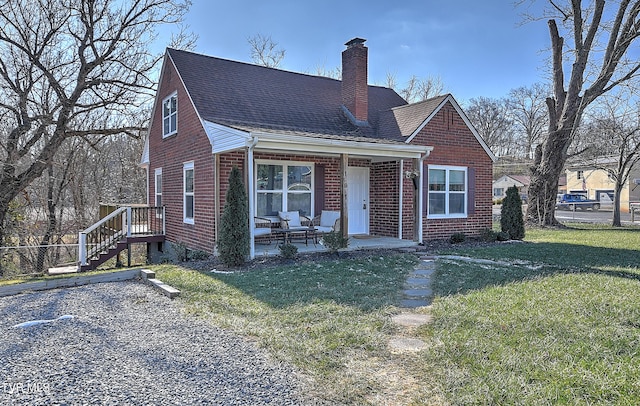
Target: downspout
<point x="251" y="192"/>
<point x="401" y="199"/>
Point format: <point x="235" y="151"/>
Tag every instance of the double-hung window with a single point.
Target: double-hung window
<point x="189" y="197"/>
<point x="170" y="115"/>
<point x="284" y="186"/>
<point x="158" y="180"/>
<point x="158" y="189"/>
<point x="448" y="190"/>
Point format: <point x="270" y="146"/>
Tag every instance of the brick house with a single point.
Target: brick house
<point x="414" y="171"/>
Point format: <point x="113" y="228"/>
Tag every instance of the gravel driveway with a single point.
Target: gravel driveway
<point x="128" y="345"/>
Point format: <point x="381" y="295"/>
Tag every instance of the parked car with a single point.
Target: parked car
<point x="572" y="201"/>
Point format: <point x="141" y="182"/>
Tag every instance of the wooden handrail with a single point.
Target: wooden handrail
<point x="106" y="233"/>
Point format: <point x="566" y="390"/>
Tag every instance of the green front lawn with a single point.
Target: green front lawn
<point x="553" y="320"/>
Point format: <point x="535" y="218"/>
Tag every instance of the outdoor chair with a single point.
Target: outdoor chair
<point x="293" y="220"/>
<point x="327" y="222"/>
<point x="262" y="229"/>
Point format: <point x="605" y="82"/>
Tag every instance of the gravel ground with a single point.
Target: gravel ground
<point x="128" y="345"/>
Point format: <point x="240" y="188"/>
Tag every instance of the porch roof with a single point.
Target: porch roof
<point x="226" y="138"/>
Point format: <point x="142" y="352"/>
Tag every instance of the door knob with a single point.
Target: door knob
<point x="364" y="206"/>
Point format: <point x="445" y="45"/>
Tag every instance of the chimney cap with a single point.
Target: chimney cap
<point x="355" y="41"/>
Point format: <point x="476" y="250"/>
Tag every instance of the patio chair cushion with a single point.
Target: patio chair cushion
<point x="290" y="219"/>
<point x="328" y="218"/>
<point x="260" y="231"/>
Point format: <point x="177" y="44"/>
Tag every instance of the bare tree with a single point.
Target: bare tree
<point x="73" y="69"/>
<point x="527" y="109"/>
<point x="322" y="70"/>
<point x="489" y="116"/>
<point x="613" y="139"/>
<point x="265" y="51"/>
<point x="416" y="89"/>
<point x="597" y="54"/>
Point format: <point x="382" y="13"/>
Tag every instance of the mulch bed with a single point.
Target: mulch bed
<point x="429" y="247"/>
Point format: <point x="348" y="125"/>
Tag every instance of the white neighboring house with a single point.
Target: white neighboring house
<point x="503" y="183"/>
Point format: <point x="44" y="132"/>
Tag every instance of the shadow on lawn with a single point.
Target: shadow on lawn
<point x="519" y="262"/>
<point x="368" y="282"/>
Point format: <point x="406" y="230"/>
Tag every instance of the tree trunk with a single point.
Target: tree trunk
<point x="543" y="187"/>
<point x="616" y="205"/>
<point x="51" y="224"/>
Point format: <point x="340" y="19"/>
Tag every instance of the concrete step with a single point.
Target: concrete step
<point x="412" y="293"/>
<point x="413" y="303"/>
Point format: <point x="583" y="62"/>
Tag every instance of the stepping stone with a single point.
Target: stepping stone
<point x="418" y="282"/>
<point x="407" y="250"/>
<point x="412" y="319"/>
<point x="413" y="303"/>
<point x="422" y="272"/>
<point x="428" y="258"/>
<point x="406" y="344"/>
<point x="417" y="292"/>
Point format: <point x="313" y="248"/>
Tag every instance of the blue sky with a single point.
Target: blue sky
<point x="478" y="48"/>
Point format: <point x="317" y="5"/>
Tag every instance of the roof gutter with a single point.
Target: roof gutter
<point x="336" y="146"/>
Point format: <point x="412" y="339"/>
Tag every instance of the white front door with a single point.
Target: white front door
<point x="358" y="199"/>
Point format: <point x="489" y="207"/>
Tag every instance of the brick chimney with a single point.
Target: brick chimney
<point x="355" y="97"/>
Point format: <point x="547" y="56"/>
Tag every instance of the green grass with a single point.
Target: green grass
<point x="552" y="320"/>
<point x="331" y="319"/>
<point x="560" y="326"/>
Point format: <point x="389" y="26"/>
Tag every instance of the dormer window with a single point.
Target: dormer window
<point x="170" y="115"/>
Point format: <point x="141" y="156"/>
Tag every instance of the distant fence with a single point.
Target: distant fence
<point x="36" y="259"/>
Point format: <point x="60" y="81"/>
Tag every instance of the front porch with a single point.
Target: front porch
<point x="356" y="242"/>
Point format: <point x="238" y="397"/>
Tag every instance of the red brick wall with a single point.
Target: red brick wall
<point x="454" y="144"/>
<point x="384" y="191"/>
<point x="189" y="144"/>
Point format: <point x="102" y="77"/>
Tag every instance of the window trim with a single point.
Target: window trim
<point x="157" y="172"/>
<point x="447" y="192"/>
<point x="285" y="191"/>
<point x="188" y="166"/>
<point x="175" y="113"/>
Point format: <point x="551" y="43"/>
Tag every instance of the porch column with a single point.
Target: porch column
<point x="250" y="189"/>
<point x="216" y="204"/>
<point x="417" y="206"/>
<point x="344" y="201"/>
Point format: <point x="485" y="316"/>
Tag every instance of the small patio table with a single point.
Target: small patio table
<point x="288" y="234"/>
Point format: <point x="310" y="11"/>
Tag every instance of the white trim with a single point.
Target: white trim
<point x="158" y="171"/>
<point x="285" y="164"/>
<point x="193" y="105"/>
<point x="331" y="146"/>
<point x="447" y="169"/>
<point x="466" y="120"/>
<point x="186" y="167"/>
<point x="252" y="201"/>
<point x="400" y="198"/>
<point x="421" y="203"/>
<point x="166" y="99"/>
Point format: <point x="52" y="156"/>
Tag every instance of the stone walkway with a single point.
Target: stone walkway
<point x="417" y="293"/>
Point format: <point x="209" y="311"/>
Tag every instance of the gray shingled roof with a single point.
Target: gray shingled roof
<point x="404" y="120"/>
<point x="243" y="95"/>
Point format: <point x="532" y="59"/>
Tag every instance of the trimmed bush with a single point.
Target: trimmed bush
<point x="511" y="219"/>
<point x="233" y="242"/>
<point x="488" y="235"/>
<point x="334" y="241"/>
<point x="288" y="251"/>
<point x="457" y="238"/>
